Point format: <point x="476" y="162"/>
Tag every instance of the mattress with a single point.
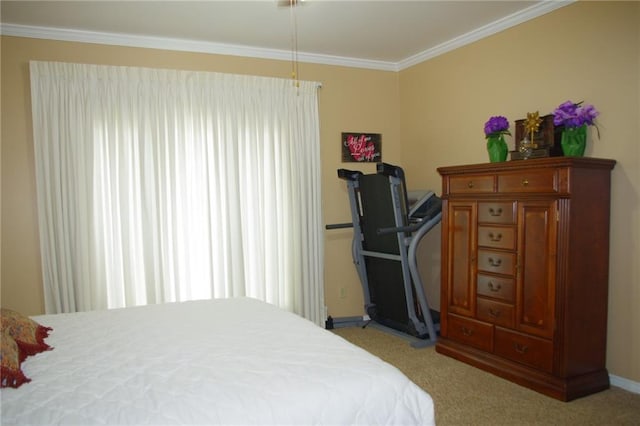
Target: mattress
<point x="223" y="361"/>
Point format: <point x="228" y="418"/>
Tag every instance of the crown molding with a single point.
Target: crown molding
<point x="131" y="40"/>
<point x="512" y="20"/>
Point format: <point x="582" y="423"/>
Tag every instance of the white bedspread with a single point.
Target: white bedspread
<point x="235" y="361"/>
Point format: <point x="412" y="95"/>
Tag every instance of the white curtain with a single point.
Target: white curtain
<point x="161" y="185"/>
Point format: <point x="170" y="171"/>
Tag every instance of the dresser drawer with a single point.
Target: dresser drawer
<point x="498" y="313"/>
<point x="524" y="349"/>
<point x="496" y="213"/>
<point x="502" y="237"/>
<point x="496" y="287"/>
<point x="541" y="180"/>
<point x="471" y="184"/>
<point x="470" y="332"/>
<point x="496" y="262"/>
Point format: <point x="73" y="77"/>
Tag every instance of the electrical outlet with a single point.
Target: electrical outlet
<point x="343" y="292"/>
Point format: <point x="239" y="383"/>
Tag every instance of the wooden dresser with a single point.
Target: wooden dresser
<point x="525" y="264"/>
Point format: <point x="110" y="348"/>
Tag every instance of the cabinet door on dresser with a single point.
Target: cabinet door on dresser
<point x="460" y="271"/>
<point x="537" y="242"/>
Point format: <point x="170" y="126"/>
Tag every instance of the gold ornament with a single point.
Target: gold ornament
<point x="532" y="124"/>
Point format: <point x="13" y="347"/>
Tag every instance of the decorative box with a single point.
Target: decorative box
<point x="545" y="143"/>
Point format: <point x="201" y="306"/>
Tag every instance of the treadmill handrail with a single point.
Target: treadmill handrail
<point x="339" y="225"/>
<point x="398" y="229"/>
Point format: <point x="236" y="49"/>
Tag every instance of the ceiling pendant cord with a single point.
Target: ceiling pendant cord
<point x="294" y="43"/>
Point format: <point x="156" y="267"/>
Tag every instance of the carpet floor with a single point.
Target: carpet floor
<point x="465" y="395"/>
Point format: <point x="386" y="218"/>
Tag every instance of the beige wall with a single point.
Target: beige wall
<point x="437" y="109"/>
<point x="586" y="51"/>
<point x="350" y="100"/>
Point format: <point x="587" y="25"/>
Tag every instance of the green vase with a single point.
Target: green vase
<point x="574" y="141"/>
<point x="497" y="149"/>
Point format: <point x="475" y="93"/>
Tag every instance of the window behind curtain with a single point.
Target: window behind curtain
<point x="161" y="185"/>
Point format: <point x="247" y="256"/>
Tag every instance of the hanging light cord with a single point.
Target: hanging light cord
<point x="294" y="42"/>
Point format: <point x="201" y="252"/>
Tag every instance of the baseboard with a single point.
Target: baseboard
<point x="345" y="322"/>
<point x="626" y="384"/>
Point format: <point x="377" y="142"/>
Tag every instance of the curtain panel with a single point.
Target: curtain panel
<point x="160" y="185"/>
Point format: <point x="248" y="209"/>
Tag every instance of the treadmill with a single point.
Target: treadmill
<point x="386" y="233"/>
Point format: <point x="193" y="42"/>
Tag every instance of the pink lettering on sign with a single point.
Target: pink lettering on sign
<point x="361" y="147"/>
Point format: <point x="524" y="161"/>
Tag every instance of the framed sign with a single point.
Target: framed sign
<point x="361" y="147"/>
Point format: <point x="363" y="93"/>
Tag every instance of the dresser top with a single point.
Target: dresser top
<point x="533" y="163"/>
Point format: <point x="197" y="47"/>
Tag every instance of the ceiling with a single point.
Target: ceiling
<point x="371" y="34"/>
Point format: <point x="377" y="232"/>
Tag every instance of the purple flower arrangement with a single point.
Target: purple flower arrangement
<point x="572" y="115"/>
<point x="496" y="126"/>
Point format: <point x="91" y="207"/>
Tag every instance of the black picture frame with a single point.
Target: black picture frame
<point x="360" y="147"/>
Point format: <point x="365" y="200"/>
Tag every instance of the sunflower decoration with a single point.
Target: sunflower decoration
<point x="532" y="125"/>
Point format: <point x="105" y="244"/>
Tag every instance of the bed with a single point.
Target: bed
<point x="209" y="362"/>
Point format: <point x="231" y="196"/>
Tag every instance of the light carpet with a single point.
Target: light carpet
<point x="465" y="395"/>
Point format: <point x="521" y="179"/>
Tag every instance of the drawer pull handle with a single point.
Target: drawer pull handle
<point x="494" y="287"/>
<point x="521" y="349"/>
<point x="466" y="331"/>
<point x="494" y="314"/>
<point x="525" y="182"/>
<point x="496" y="212"/>
<point x="495" y="237"/>
<point x="470" y="184"/>
<point x="495" y="262"/>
